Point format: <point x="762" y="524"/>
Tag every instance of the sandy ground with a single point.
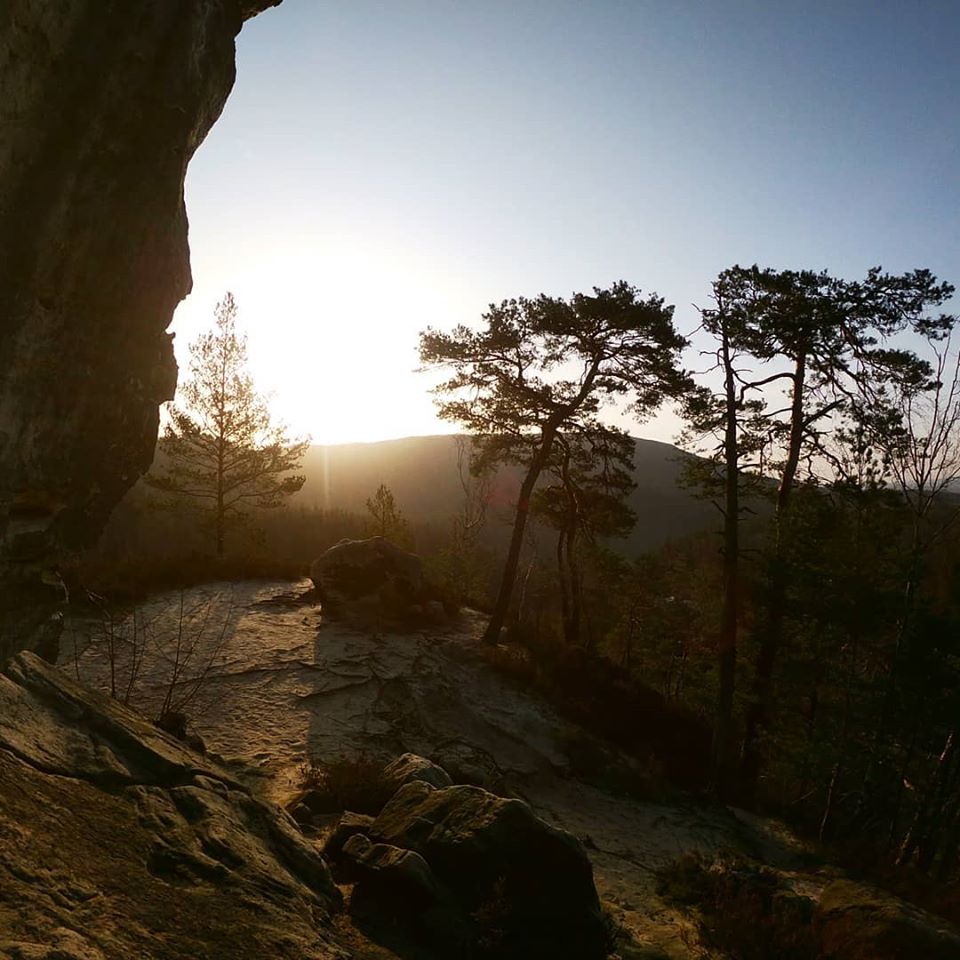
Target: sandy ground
<point x="280" y="684"/>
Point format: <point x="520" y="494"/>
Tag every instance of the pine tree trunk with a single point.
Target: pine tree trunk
<point x="897" y="658"/>
<point x="838" y="767"/>
<point x="727" y="647"/>
<point x="576" y="590"/>
<point x="950" y="843"/>
<point x="926" y="820"/>
<point x="564" y="582"/>
<point x="829" y="803"/>
<point x="568" y="571"/>
<point x="220" y="527"/>
<point x="547" y="436"/>
<point x="220" y="519"/>
<point x="759" y="714"/>
<point x="499" y="615"/>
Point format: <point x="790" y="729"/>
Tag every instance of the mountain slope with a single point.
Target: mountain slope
<point x="422" y="474"/>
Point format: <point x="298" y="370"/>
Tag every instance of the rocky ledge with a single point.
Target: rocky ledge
<point x="470" y="873"/>
<point x="118" y="841"/>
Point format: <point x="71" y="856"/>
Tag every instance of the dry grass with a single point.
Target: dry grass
<point x="745" y="911"/>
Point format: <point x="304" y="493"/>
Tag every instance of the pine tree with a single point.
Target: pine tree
<point x="541" y="368"/>
<point x="221" y="448"/>
<point x="387" y="519"/>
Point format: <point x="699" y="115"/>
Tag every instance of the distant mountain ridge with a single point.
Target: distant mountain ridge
<point x="422" y="474"/>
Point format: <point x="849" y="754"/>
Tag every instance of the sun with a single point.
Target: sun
<point x="332" y="332"/>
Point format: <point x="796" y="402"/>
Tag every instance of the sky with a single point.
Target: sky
<point x="381" y="167"/>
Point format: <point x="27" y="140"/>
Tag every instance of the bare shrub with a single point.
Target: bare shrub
<point x="347" y="783"/>
<point x="157" y="658"/>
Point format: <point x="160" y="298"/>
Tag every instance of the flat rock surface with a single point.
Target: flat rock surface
<point x="285" y="684"/>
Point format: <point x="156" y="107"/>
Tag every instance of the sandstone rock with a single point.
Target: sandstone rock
<point x="855" y="922"/>
<point x="31" y="611"/>
<point x="63" y="728"/>
<point x="469" y="764"/>
<point x="301" y="813"/>
<point x="64" y="944"/>
<point x="349" y="825"/>
<point x="374" y="569"/>
<point x="502" y="862"/>
<point x="175" y="723"/>
<point x="400" y="878"/>
<point x="316" y="800"/>
<point x="101" y="111"/>
<point x="409" y="767"/>
<point x="111" y="827"/>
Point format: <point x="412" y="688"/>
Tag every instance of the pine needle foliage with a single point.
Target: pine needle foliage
<point x="221" y="448"/>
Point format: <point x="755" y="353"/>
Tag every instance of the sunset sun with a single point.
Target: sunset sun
<point x="329" y="325"/>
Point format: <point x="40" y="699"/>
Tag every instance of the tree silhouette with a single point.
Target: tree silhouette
<point x="824" y="341"/>
<point x="221" y="447"/>
<point x="591" y="477"/>
<point x="541" y="368"/>
<point x="388" y="521"/>
<point x="724" y="424"/>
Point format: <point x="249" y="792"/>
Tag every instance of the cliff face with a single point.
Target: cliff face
<point x="103" y="103"/>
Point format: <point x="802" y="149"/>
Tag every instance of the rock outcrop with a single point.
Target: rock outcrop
<point x="528" y="880"/>
<point x="374" y="570"/>
<point x="467" y="872"/>
<point x="855" y="922"/>
<point x="404" y="877"/>
<point x="118" y="841"/>
<point x="349" y="825"/>
<point x="408" y="768"/>
<point x="101" y="110"/>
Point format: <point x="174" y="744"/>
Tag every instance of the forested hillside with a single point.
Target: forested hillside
<point x="422" y="474"/>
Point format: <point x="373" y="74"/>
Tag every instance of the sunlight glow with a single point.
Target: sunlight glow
<point x="329" y="324"/>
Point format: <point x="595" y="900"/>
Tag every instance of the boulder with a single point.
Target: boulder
<point x="110" y="826"/>
<point x="398" y="887"/>
<point x="527" y="880"/>
<point x="856" y="922"/>
<point x="469" y="764"/>
<point x="409" y="767"/>
<point x="301" y="814"/>
<point x="349" y="825"/>
<point x="367" y="570"/>
<point x="315" y="800"/>
<point x="399" y="878"/>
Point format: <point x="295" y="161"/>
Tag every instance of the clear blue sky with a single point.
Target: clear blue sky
<point x="382" y="166"/>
